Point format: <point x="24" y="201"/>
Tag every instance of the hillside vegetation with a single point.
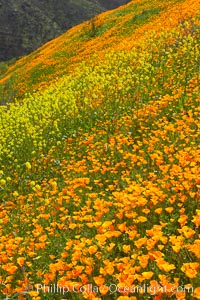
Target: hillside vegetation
<point x="27" y="24"/>
<point x="120" y="29"/>
<point x="99" y="156"/>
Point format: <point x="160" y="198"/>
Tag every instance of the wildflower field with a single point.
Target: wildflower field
<point x="99" y="160"/>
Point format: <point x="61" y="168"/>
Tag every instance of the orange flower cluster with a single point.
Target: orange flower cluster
<point x="94" y="223"/>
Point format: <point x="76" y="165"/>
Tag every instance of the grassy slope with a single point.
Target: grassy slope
<point x="99" y="171"/>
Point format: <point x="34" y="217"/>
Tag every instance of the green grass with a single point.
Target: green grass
<point x="141" y="18"/>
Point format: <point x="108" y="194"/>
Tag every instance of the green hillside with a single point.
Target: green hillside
<point x="99" y="160"/>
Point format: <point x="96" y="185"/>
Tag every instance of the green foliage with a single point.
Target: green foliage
<point x="37" y="72"/>
<point x="145" y="15"/>
<point x="4" y="65"/>
<point x="141" y="18"/>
